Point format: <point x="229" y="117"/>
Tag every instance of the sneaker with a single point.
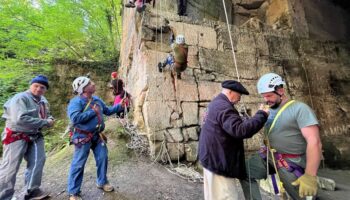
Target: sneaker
<point x="130" y="5"/>
<point x="160" y="67"/>
<point x="75" y="197"/>
<point x="106" y="187"/>
<point x="36" y="194"/>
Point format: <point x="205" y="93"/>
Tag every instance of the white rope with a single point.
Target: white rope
<point x="229" y="33"/>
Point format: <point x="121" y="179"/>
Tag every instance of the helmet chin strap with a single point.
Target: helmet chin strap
<point x="277" y="93"/>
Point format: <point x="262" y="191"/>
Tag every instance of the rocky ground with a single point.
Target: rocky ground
<point x="137" y="177"/>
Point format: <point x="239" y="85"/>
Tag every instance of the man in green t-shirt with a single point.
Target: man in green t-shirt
<point x="177" y="61"/>
<point x="292" y="134"/>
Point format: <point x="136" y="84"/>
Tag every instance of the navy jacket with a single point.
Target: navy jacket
<point x="221" y="148"/>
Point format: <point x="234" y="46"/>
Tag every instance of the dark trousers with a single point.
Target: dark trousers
<point x="181" y="7"/>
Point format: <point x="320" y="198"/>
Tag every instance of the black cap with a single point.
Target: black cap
<point x="234" y="86"/>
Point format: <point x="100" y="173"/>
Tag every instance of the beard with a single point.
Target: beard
<point x="275" y="104"/>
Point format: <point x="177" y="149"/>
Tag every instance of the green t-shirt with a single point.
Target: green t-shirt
<point x="180" y="53"/>
<point x="286" y="136"/>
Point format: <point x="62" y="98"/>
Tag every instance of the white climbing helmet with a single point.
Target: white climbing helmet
<point x="269" y="82"/>
<point x="79" y="84"/>
<point x="180" y="39"/>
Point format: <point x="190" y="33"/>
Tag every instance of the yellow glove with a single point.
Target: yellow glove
<point x="307" y="185"/>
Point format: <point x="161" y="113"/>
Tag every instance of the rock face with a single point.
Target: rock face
<point x="61" y="84"/>
<point x="268" y="36"/>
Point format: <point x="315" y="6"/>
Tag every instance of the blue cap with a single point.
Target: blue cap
<point x="41" y="79"/>
<point x="235" y="86"/>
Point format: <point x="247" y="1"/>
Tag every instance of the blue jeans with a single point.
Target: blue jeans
<point x="81" y="153"/>
<point x="169" y="60"/>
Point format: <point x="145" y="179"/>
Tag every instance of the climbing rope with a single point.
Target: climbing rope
<point x="137" y="142"/>
<point x="238" y="78"/>
<point x="231" y="41"/>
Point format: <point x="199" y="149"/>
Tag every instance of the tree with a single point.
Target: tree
<point x="46" y="30"/>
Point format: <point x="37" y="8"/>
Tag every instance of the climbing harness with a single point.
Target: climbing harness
<point x="278" y="187"/>
<point x="13" y="136"/>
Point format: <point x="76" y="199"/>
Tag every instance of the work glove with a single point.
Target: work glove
<point x="307" y="185"/>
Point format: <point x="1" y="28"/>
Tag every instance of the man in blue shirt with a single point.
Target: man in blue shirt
<point x="85" y="112"/>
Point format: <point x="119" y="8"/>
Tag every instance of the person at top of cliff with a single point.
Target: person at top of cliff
<point x="139" y="4"/>
<point x="178" y="60"/>
<point x="181" y="7"/>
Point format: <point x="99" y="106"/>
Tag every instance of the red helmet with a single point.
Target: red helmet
<point x="114" y="75"/>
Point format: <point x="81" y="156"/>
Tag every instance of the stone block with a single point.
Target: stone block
<point x="156" y="120"/>
<point x="157" y="46"/>
<point x="190" y="134"/>
<point x="190" y="113"/>
<point x="176" y="150"/>
<point x="222" y="63"/>
<point x="191" y="151"/>
<point x="156" y="23"/>
<point x="174" y="135"/>
<point x="203" y="76"/>
<point x="196" y="35"/>
<point x="192" y="62"/>
<point x="186" y="90"/>
<point x="193" y="51"/>
<point x="208" y="90"/>
<point x="326" y="183"/>
<point x="157" y="135"/>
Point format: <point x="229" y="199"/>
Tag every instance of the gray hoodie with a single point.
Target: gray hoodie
<point x="21" y="113"/>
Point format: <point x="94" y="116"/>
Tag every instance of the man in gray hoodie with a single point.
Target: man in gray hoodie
<point x="26" y="114"/>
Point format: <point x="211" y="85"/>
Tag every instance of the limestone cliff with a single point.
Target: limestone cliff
<point x="289" y="37"/>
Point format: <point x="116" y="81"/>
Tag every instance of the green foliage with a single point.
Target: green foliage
<point x="15" y="77"/>
<point x="53" y="136"/>
<point x="67" y="29"/>
<point x="37" y="32"/>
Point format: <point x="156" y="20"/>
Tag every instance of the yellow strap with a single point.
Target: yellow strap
<point x="272" y="151"/>
<point x="87" y="105"/>
<point x="279" y="113"/>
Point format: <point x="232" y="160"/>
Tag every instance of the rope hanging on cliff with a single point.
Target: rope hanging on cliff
<point x="238" y="78"/>
<point x="231" y="41"/>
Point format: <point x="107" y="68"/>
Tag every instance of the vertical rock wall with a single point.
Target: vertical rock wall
<point x="169" y="110"/>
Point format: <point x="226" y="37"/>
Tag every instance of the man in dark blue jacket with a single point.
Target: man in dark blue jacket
<point x="221" y="149"/>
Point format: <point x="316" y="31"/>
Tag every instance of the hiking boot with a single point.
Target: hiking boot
<point x="75" y="197"/>
<point x="130" y="5"/>
<point x="36" y="194"/>
<point x="160" y="67"/>
<point x="106" y="187"/>
<point x="178" y="75"/>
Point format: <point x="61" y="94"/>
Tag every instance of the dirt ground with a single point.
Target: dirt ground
<point x="134" y="177"/>
<point x="137" y="177"/>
